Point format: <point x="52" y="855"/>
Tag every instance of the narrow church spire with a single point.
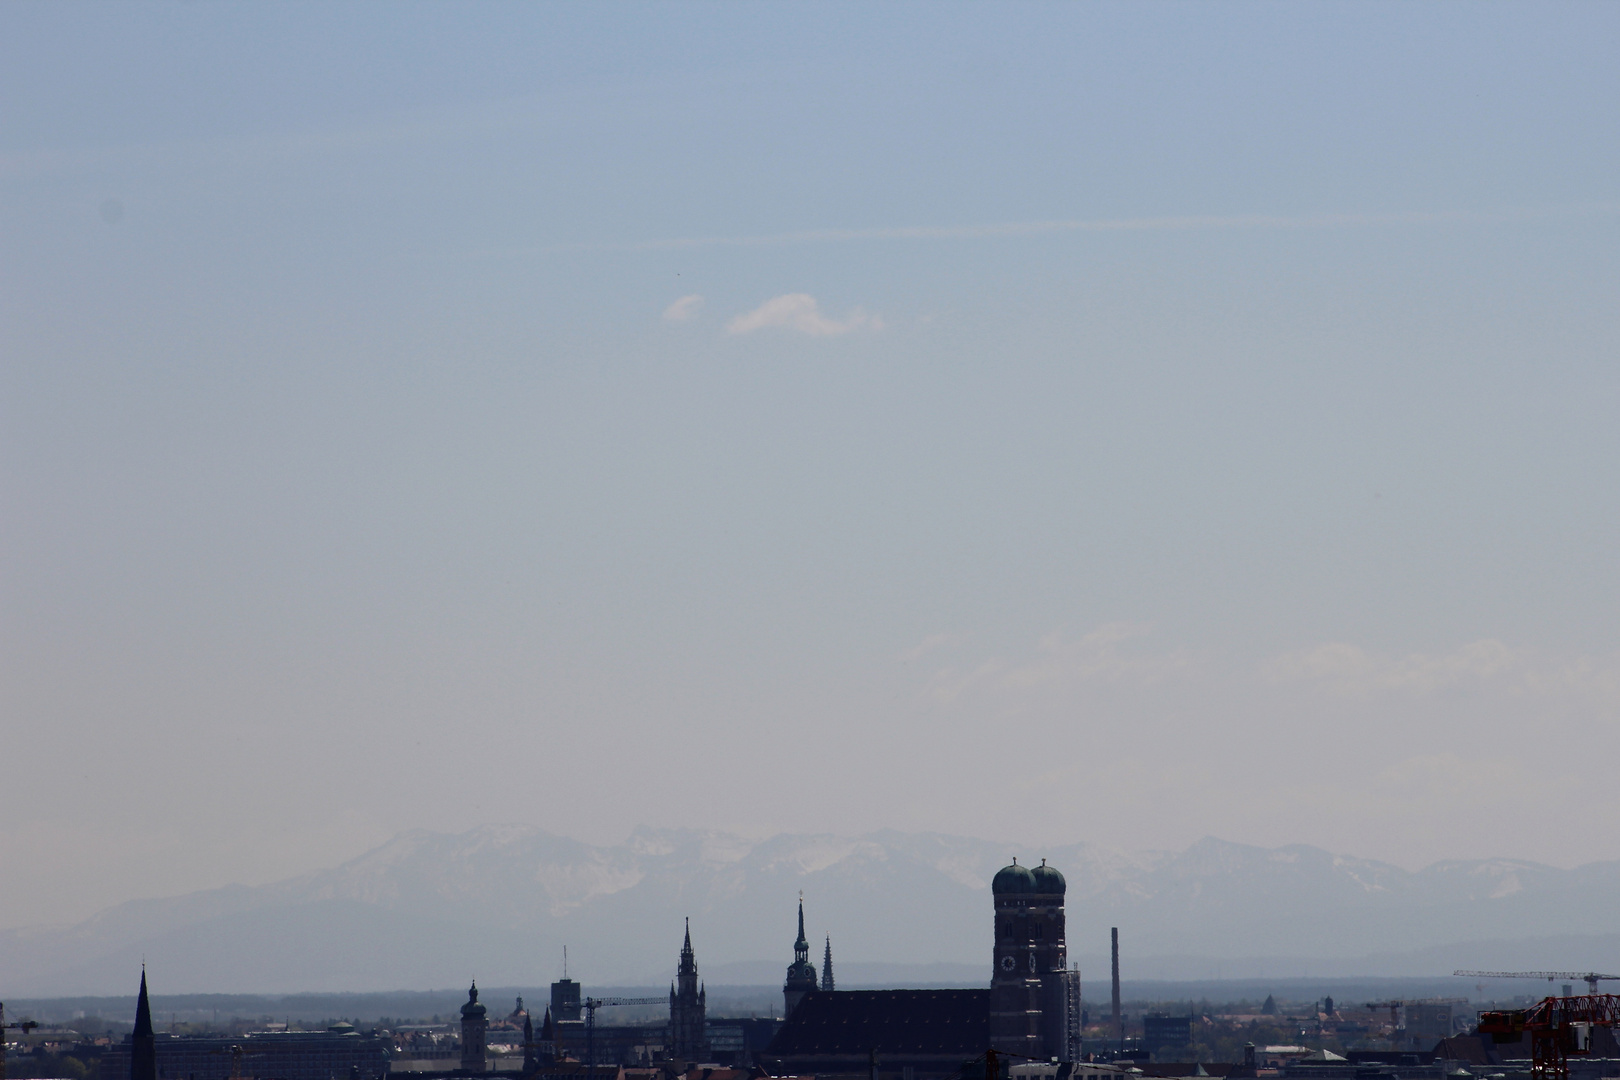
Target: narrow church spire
<point x="688" y="957"/>
<point x="826" y="966"/>
<point x="545" y="1051"/>
<point x="143" y="1009"/>
<point x="801" y="974"/>
<point x="143" y="1043"/>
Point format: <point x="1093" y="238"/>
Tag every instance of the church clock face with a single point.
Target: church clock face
<point x="1008" y="963"/>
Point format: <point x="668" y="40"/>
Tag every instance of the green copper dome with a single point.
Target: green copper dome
<point x="1048" y="880"/>
<point x="1013" y="879"/>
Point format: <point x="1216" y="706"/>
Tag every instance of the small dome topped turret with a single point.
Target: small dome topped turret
<point x="1048" y="880"/>
<point x="1013" y="879"/>
<point x="473" y="1007"/>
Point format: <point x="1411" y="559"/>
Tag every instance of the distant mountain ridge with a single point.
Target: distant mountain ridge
<point x="500" y="901"/>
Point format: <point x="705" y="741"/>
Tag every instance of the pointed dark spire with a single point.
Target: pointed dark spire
<point x="143" y="1009"/>
<point x="688" y="968"/>
<point x="801" y="974"/>
<point x="143" y="1043"/>
<point x="826" y="966"/>
<point x="545" y="1050"/>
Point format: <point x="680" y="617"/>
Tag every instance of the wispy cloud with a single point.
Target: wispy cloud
<point x="799" y="311"/>
<point x="1061" y="661"/>
<point x="926" y="646"/>
<point x="1058" y="226"/>
<point x="1349" y="669"/>
<point x="685" y="309"/>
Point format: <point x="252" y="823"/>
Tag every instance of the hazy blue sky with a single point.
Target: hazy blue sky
<point x="1105" y="422"/>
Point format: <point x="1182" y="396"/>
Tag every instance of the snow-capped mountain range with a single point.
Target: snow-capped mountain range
<point x="499" y="903"/>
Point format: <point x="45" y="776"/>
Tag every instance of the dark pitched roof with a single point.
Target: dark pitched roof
<point x="888" y="1021"/>
<point x="143" y="1011"/>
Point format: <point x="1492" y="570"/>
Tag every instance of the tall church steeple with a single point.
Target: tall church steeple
<point x="545" y="1051"/>
<point x="826" y="966"/>
<point x="688" y="957"/>
<point x="801" y="974"/>
<point x="531" y="1063"/>
<point x="688" y="1007"/>
<point x="143" y="1043"/>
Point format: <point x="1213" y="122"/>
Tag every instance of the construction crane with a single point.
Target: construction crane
<point x="1592" y="978"/>
<point x="1558" y="1027"/>
<point x="592" y="1004"/>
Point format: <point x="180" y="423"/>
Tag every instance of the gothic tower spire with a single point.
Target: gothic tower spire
<point x="531" y="1063"/>
<point x="546" y="1050"/>
<point x="826" y="966"/>
<point x="143" y="1043"/>
<point x="687" y="1007"/>
<point x="688" y="957"/>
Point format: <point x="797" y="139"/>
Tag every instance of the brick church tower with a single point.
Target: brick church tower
<point x="688" y="1007"/>
<point x="1031" y="991"/>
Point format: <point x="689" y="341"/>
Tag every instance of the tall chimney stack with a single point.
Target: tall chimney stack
<point x="1119" y="1022"/>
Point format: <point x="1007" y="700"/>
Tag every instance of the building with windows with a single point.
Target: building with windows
<point x="474" y="1033"/>
<point x="1034" y="996"/>
<point x="1031" y="1011"/>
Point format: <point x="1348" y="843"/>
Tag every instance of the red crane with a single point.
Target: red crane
<point x="1558" y="1027"/>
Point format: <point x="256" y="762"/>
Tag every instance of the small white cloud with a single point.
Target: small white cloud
<point x="926" y="646"/>
<point x="684" y="310"/>
<point x="799" y="311"/>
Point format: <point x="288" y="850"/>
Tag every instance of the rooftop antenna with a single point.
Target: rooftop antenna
<point x="565" y="963"/>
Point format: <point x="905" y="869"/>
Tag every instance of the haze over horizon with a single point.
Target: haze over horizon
<point x="504" y="902"/>
<point x="1120" y="423"/>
